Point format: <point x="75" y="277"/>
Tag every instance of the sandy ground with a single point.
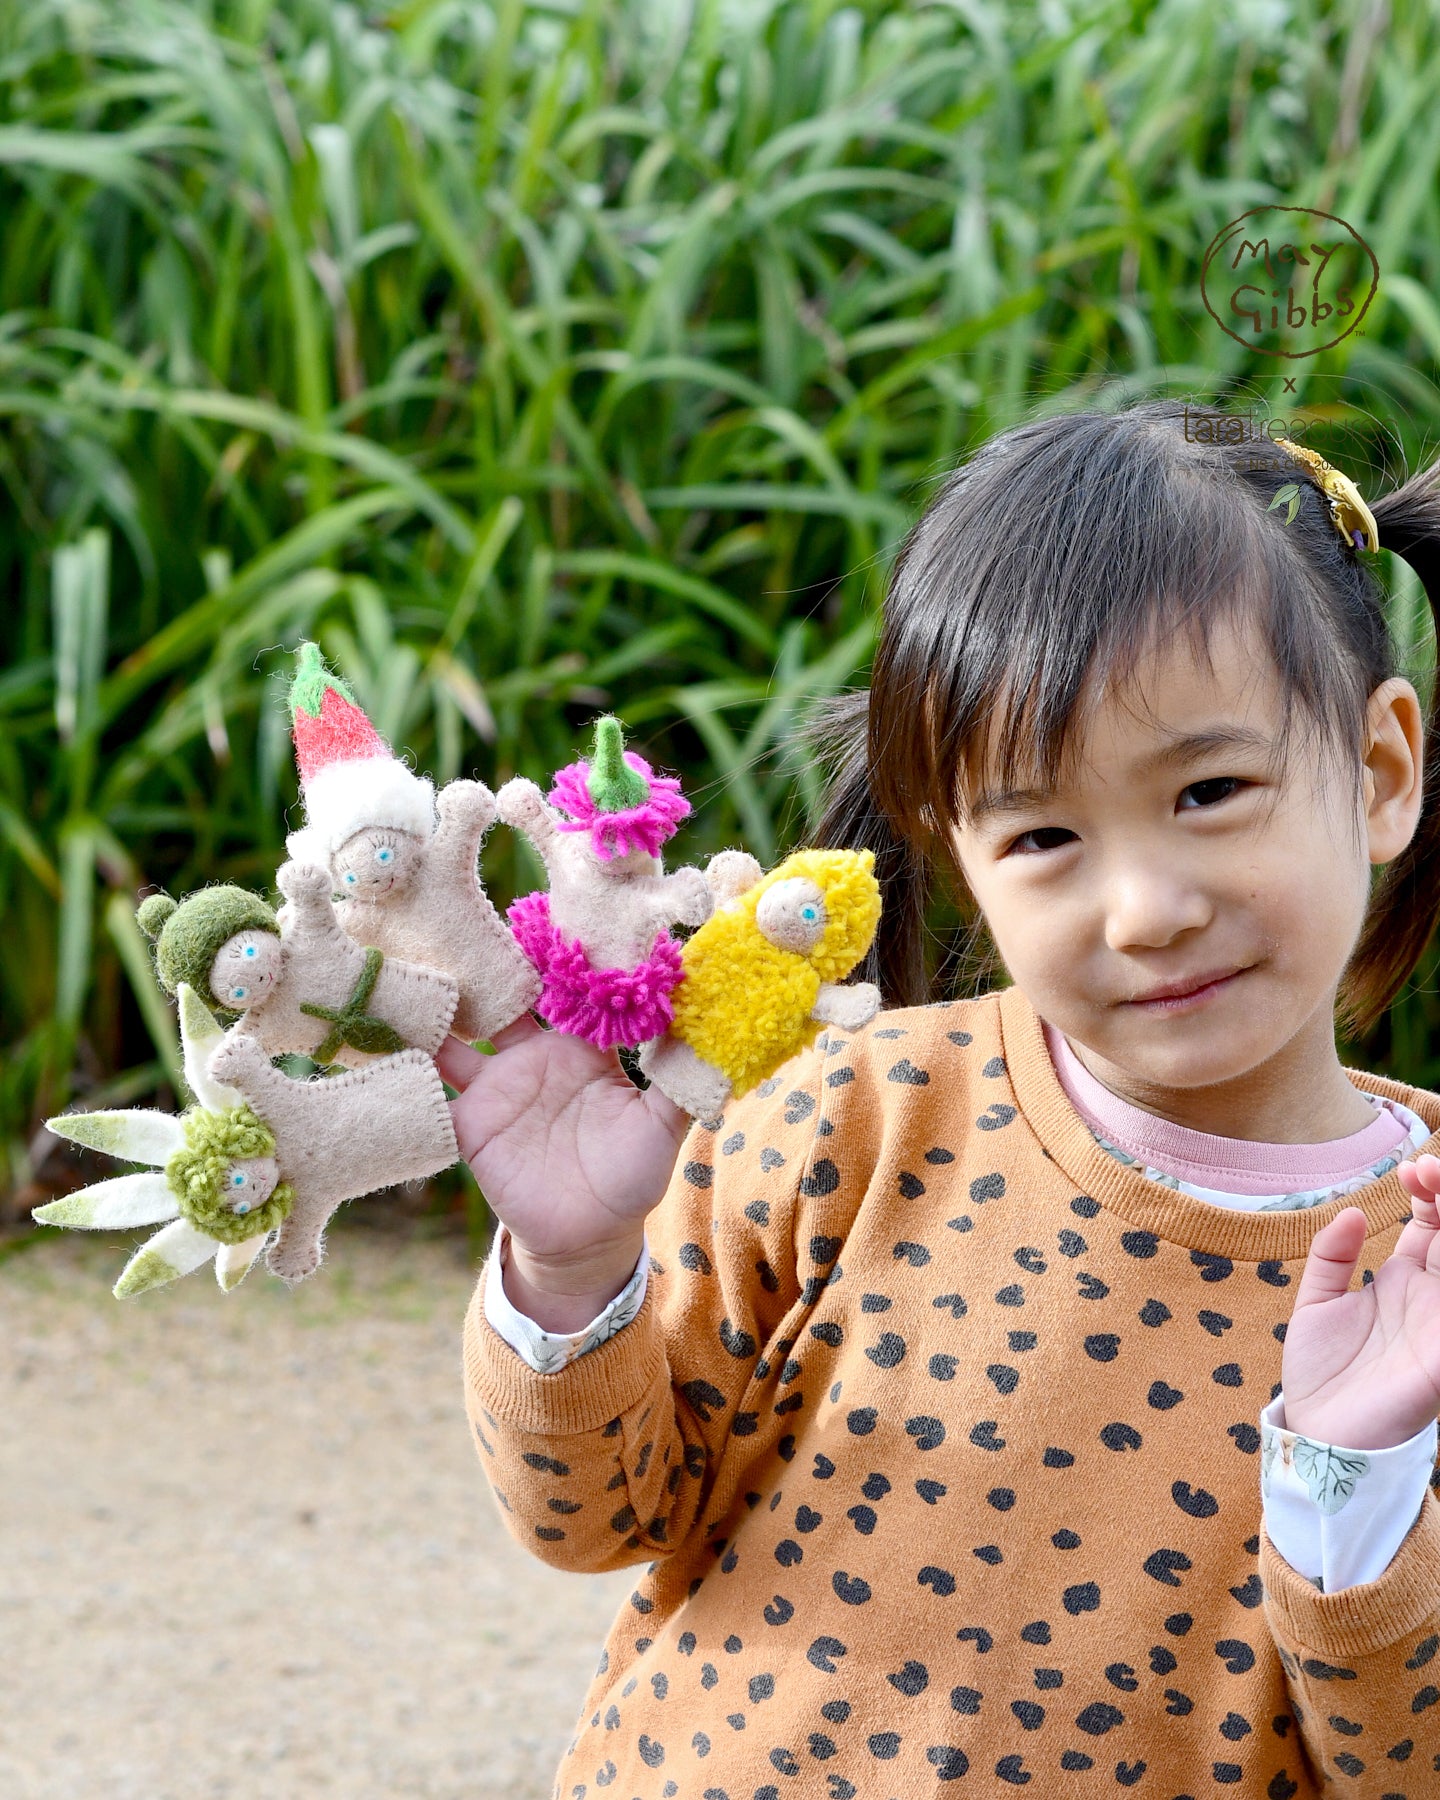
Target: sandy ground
<point x="246" y="1549"/>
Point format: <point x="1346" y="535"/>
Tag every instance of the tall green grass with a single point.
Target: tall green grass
<point x="545" y="357"/>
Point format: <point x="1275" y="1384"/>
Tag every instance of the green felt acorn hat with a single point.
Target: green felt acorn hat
<point x="188" y="935"/>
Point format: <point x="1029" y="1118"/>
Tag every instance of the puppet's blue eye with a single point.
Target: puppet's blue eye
<point x="250" y="950"/>
<point x="384" y="856"/>
<point x="350" y="878"/>
<point x="238" y="993"/>
<point x="239" y="1179"/>
<point x="242" y="1208"/>
<point x="809" y="914"/>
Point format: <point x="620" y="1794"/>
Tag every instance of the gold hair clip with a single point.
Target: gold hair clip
<point x="1352" y="518"/>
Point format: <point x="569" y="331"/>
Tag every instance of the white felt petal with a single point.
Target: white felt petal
<point x="200" y="1038"/>
<point x="234" y="1262"/>
<point x="175" y="1251"/>
<point x="136" y="1135"/>
<point x="109" y="1205"/>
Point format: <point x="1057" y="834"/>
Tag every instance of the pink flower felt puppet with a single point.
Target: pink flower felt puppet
<point x="600" y="938"/>
<point x="407" y="885"/>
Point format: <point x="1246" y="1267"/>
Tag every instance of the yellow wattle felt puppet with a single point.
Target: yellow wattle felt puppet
<point x="763" y="973"/>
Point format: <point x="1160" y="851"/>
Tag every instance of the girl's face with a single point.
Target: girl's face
<point x="1174" y="855"/>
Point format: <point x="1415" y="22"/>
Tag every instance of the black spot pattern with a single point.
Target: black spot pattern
<point x="994" y="1517"/>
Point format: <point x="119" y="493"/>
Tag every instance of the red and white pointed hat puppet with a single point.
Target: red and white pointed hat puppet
<point x="404" y="861"/>
<point x="350" y="779"/>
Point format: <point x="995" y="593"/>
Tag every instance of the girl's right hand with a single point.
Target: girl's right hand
<point x="570" y="1155"/>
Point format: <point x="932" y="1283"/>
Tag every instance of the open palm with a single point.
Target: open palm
<point x="1362" y="1367"/>
<point x="570" y="1154"/>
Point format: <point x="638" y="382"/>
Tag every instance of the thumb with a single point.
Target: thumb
<point x="1334" y="1252"/>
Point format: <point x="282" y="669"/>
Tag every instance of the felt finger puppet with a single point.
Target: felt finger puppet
<point x="339" y="1137"/>
<point x="403" y="863"/>
<point x="763" y="974"/>
<point x="296" y="982"/>
<point x="600" y="937"/>
<point x="259" y="1153"/>
<point x="214" y="1187"/>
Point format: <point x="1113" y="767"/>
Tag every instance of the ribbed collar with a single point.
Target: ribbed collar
<point x="1243" y="1165"/>
<point x="1181" y="1218"/>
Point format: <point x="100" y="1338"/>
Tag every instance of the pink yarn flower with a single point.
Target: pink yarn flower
<point x="645" y="827"/>
<point x="606" y="1007"/>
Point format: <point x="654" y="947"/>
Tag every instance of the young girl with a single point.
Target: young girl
<point x="1039" y="1387"/>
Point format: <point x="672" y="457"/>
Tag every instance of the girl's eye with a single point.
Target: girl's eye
<point x="384" y="856"/>
<point x="1025" y="848"/>
<point x="1231" y="783"/>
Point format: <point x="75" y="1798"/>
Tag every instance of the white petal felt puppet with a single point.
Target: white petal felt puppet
<point x="342" y="1136"/>
<point x="297" y="983"/>
<point x="762" y="974"/>
<point x="600" y="938"/>
<point x="259" y="1153"/>
<point x="406" y="884"/>
<point x="215" y="1190"/>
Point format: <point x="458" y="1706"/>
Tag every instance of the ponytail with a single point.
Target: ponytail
<point x="1406" y="901"/>
<point x="838" y="733"/>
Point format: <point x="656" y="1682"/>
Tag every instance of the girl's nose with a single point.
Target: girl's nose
<point x="1148" y="906"/>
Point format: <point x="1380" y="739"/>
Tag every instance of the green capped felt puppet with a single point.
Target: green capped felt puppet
<point x="297" y="983"/>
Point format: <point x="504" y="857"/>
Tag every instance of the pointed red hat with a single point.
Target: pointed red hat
<point x="350" y="778"/>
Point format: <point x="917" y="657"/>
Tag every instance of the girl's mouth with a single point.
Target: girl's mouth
<point x="1188" y="997"/>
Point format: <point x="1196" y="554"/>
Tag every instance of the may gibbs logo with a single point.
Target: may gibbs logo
<point x="1288" y="281"/>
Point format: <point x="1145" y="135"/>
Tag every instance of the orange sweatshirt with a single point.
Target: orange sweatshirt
<point x="936" y="1432"/>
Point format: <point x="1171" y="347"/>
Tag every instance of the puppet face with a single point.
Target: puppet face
<point x="375" y="863"/>
<point x="792" y="914"/>
<point x="245" y="969"/>
<point x="249" y="1182"/>
<point x="635" y="864"/>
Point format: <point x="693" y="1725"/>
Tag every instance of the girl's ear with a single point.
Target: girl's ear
<point x="1394" y="768"/>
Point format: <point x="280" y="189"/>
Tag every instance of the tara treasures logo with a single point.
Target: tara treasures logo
<point x="1288" y="281"/>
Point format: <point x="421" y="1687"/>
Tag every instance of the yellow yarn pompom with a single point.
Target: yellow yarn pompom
<point x="745" y="1003"/>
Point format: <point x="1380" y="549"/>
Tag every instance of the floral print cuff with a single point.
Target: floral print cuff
<point x="1338" y="1516"/>
<point x="547" y="1352"/>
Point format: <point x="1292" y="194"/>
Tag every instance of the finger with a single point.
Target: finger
<point x="1420" y="1177"/>
<point x="516" y="1033"/>
<point x="1422" y="1230"/>
<point x="1334" y="1252"/>
<point x="674" y="1118"/>
<point x="458" y="1063"/>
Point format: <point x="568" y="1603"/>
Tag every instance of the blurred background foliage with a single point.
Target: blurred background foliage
<point x="545" y="356"/>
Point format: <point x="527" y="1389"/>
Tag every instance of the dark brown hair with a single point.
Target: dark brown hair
<point x="1043" y="570"/>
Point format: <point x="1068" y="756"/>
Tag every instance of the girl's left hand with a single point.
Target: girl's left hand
<point x="1361" y="1369"/>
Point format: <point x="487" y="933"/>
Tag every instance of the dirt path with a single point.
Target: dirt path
<point x="246" y="1549"/>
